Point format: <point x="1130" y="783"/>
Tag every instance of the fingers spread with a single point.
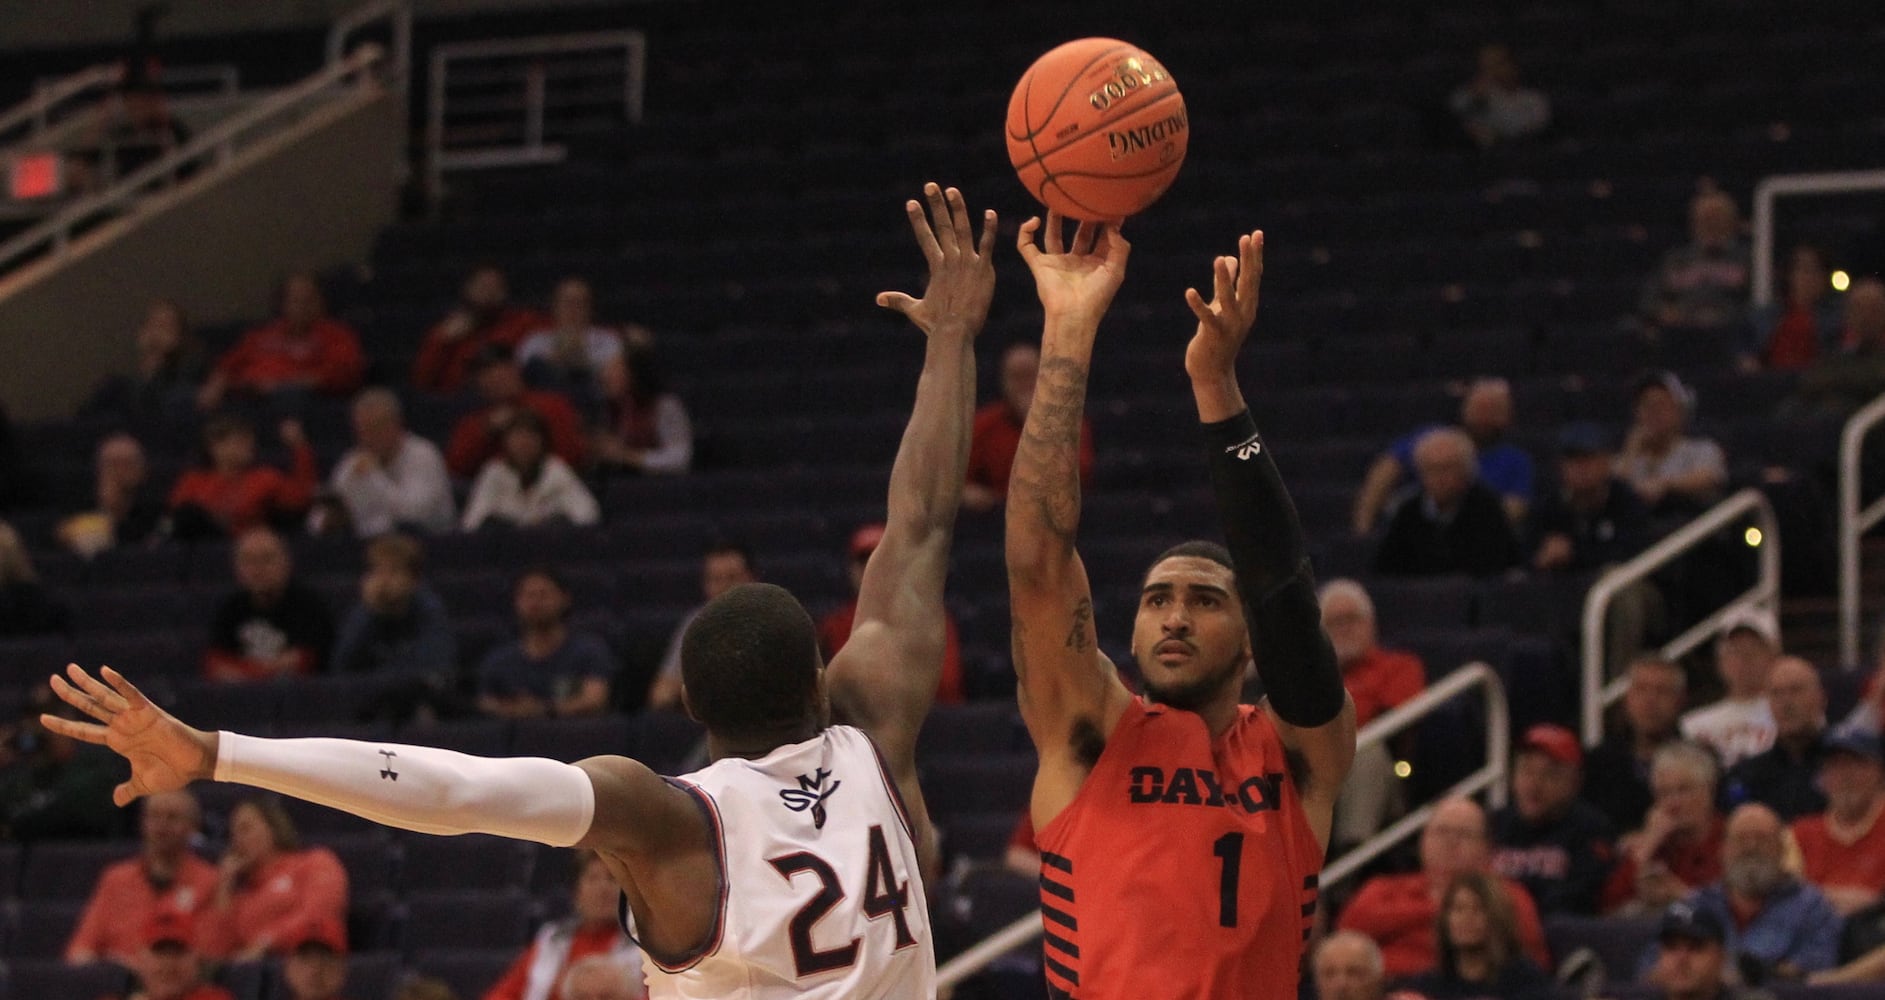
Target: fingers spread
<point x="1221" y="282"/>
<point x="1055" y="223"/>
<point x="925" y="239"/>
<point x="125" y="794"/>
<point x="83" y="731"/>
<point x="1024" y="237"/>
<point x="1198" y="306"/>
<point x="989" y="224"/>
<point x="959" y="218"/>
<point x="1085" y="236"/>
<point x="939" y="218"/>
<point x="79" y="699"/>
<point x="105" y="696"/>
<point x="896" y="300"/>
<point x="132" y="696"/>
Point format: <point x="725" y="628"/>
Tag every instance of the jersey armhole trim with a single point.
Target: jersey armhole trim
<point x="712" y="944"/>
<point x="890" y="785"/>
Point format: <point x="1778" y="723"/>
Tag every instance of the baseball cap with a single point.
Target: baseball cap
<point x="168" y="928"/>
<point x="1582" y="438"/>
<point x="321" y="932"/>
<point x="1855" y="741"/>
<point x="1755" y="620"/>
<point x="865" y="540"/>
<point x="1688" y="923"/>
<point x="1556" y="742"/>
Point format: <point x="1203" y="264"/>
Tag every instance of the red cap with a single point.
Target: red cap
<point x="168" y="926"/>
<point x="865" y="539"/>
<point x="1556" y="742"/>
<point x="324" y="931"/>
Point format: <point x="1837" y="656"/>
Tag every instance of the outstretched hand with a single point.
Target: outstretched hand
<point x="1076" y="281"/>
<point x="165" y="754"/>
<point x="961" y="267"/>
<point x="1225" y="321"/>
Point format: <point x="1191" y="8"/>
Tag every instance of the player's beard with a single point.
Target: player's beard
<point x="1192" y="695"/>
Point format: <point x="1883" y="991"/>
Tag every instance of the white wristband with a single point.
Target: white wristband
<point x="423" y="789"/>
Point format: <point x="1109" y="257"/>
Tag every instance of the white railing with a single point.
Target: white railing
<point x="213" y="146"/>
<point x="1599" y="692"/>
<point x="397" y="14"/>
<point x="36" y="111"/>
<point x="1489" y="778"/>
<point x="1770" y="189"/>
<point x="1853" y="524"/>
<point x="534" y="146"/>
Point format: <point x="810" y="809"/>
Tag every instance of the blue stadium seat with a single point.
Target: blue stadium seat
<point x="66" y="870"/>
<point x="1616" y="941"/>
<point x="39" y="928"/>
<point x="466" y="920"/>
<point x="469" y="862"/>
<point x="977" y="783"/>
<point x="480" y="737"/>
<point x="52" y="979"/>
<point x="1429" y="602"/>
<point x="572" y="739"/>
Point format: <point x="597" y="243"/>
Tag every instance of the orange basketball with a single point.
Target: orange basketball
<point x="1097" y="129"/>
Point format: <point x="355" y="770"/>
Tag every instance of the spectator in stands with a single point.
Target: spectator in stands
<point x="645" y="428"/>
<point x="1493" y="108"/>
<point x="26" y="606"/>
<point x="1778" y="927"/>
<point x="525" y="486"/>
<point x="570" y="353"/>
<point x="271" y="625"/>
<point x="1592" y="521"/>
<point x="1617" y="774"/>
<point x="231" y="492"/>
<point x="1378" y="680"/>
<point x="1841" y="383"/>
<point x="1548" y="840"/>
<point x="996" y="433"/>
<point x="1480" y="955"/>
<point x="600" y="977"/>
<point x="483" y="315"/>
<point x="129" y="509"/>
<point x="1741" y="724"/>
<point x="303" y="350"/>
<point x="1672" y="472"/>
<point x="1782" y="776"/>
<point x="1678" y="847"/>
<point x="1793" y="333"/>
<point x="1347" y="966"/>
<point x="1843" y="850"/>
<point x="1400" y="911"/>
<point x="170" y="966"/>
<point x="552" y="669"/>
<point x="272" y="889"/>
<point x="1452" y="523"/>
<point x="834" y="629"/>
<point x="1691" y="957"/>
<point x="166" y="874"/>
<point x="591" y="930"/>
<point x="478" y="436"/>
<point x="400" y="625"/>
<point x="53" y="787"/>
<point x="162" y="385"/>
<point x="315" y="965"/>
<point x="1486" y="417"/>
<point x="726" y="565"/>
<point x="1704" y="284"/>
<point x="392" y="478"/>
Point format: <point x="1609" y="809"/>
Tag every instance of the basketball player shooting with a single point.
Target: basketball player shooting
<point x="789" y="867"/>
<point x="1181" y="833"/>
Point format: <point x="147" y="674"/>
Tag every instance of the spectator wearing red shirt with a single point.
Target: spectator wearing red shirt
<point x="996" y="434"/>
<point x="315" y="967"/>
<point x="478" y="436"/>
<point x="1843" y="849"/>
<point x="590" y="929"/>
<point x="1399" y="911"/>
<point x="170" y="966"/>
<point x="302" y="349"/>
<point x="1678" y="848"/>
<point x="232" y="492"/>
<point x="834" y="629"/>
<point x="166" y="875"/>
<point x="272" y="888"/>
<point x="1804" y="326"/>
<point x="1378" y="679"/>
<point x="483" y="315"/>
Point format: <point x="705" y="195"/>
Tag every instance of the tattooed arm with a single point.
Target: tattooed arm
<point x="1070" y="693"/>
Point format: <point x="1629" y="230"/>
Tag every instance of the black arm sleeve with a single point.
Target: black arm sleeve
<point x="1294" y="658"/>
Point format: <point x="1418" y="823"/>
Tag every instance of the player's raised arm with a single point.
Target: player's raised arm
<point x="885" y="677"/>
<point x="609" y="803"/>
<point x="1293" y="655"/>
<point x="1064" y="679"/>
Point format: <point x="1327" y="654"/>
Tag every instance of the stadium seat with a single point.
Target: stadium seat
<point x="459" y="919"/>
<point x="52" y="979"/>
<point x="468" y="862"/>
<point x="56" y="870"/>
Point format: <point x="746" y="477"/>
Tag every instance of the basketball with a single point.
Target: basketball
<point x="1097" y="129"/>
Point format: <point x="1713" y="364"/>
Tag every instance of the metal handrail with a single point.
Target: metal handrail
<point x="398" y="13"/>
<point x="1854" y="523"/>
<point x="1597" y="695"/>
<point x="1490" y="777"/>
<point x="1771" y="188"/>
<point x="215" y="143"/>
<point x="35" y="109"/>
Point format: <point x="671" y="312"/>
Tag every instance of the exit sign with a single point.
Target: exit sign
<point x="35" y="175"/>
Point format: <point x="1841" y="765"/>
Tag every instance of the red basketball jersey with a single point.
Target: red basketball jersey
<point x="1184" y="869"/>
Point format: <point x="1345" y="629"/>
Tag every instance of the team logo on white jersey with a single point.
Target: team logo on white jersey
<point x="810" y="794"/>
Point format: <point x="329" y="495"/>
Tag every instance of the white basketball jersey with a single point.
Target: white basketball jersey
<point x="822" y="894"/>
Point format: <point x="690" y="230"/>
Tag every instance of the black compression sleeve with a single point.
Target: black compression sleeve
<point x="1294" y="658"/>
